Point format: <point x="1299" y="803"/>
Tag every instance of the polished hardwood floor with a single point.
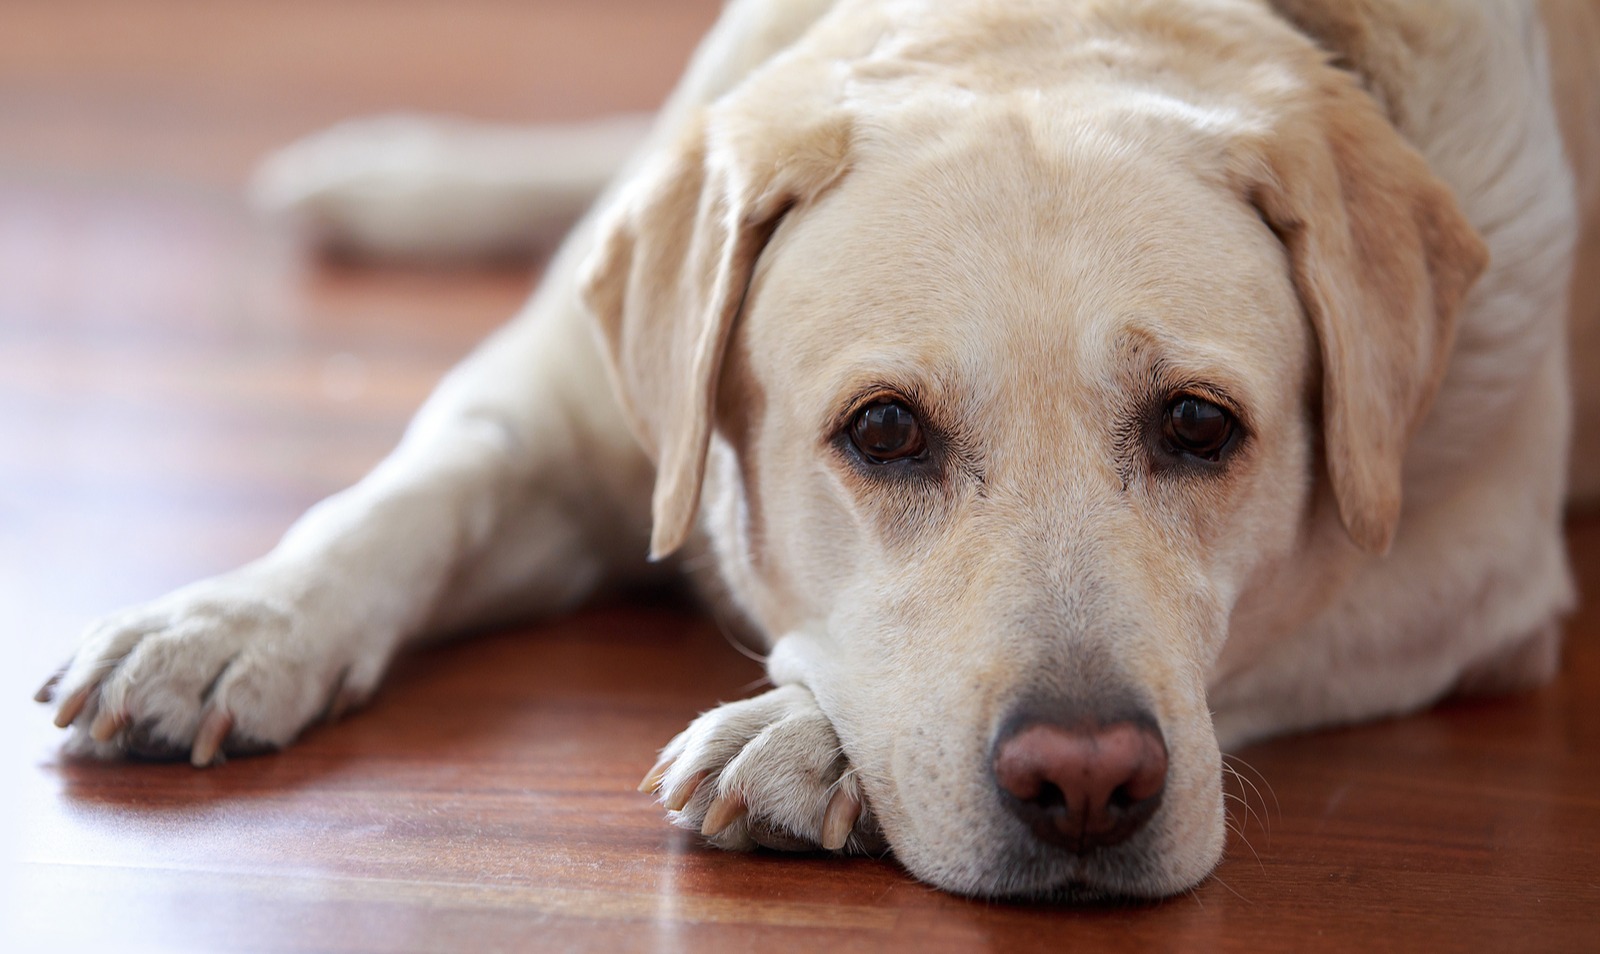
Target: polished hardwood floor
<point x="177" y="383"/>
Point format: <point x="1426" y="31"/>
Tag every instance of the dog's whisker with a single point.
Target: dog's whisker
<point x="1249" y="813"/>
<point x="738" y="644"/>
<point x="1244" y="802"/>
<point x="754" y="684"/>
<point x="1245" y="840"/>
<point x="1230" y="889"/>
<point x="1232" y="760"/>
<point x="1247" y="787"/>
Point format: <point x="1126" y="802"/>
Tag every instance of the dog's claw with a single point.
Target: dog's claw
<point x="47" y="692"/>
<point x="107" y="724"/>
<point x="778" y="778"/>
<point x="208" y="739"/>
<point x="72" y="707"/>
<point x="679" y="797"/>
<point x="344" y="700"/>
<point x="839" y="819"/>
<point x="723" y="811"/>
<point x="652" y="780"/>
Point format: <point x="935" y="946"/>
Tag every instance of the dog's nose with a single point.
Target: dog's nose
<point x="1084" y="786"/>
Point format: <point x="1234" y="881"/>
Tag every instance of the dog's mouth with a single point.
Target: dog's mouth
<point x="1025" y="868"/>
<point x="1020" y="868"/>
<point x="1081" y="895"/>
<point x="1062" y="809"/>
<point x="1083" y="783"/>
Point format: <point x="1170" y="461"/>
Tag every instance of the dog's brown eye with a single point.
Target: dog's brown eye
<point x="1198" y="427"/>
<point x="886" y="431"/>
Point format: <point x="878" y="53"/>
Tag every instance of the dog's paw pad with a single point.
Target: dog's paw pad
<point x="766" y="772"/>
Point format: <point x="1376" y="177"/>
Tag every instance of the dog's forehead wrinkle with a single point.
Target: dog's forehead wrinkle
<point x="1018" y="46"/>
<point x="1085" y="265"/>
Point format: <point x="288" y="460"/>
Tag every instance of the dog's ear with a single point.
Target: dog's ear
<point x="1381" y="257"/>
<point x="668" y="277"/>
<point x="1372" y="41"/>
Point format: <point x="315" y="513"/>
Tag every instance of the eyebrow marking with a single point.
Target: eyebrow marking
<point x="1146" y="379"/>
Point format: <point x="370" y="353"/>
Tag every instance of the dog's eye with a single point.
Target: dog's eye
<point x="886" y="431"/>
<point x="1195" y="426"/>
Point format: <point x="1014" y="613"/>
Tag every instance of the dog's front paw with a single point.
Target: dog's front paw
<point x="765" y="771"/>
<point x="237" y="664"/>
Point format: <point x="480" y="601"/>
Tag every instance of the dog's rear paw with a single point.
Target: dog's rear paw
<point x="230" y="665"/>
<point x="766" y="771"/>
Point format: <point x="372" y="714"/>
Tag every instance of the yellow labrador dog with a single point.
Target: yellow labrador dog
<point x="1066" y="390"/>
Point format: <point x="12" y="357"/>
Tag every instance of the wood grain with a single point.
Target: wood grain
<point x="176" y="385"/>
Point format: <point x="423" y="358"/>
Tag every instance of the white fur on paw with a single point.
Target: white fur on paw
<point x="233" y="664"/>
<point x="766" y="771"/>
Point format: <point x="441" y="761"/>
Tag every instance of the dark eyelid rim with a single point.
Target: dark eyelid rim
<point x="1162" y="386"/>
<point x="1208" y="392"/>
<point x="1165" y="384"/>
<point x="1240" y="437"/>
<point x="945" y="454"/>
<point x="866" y="396"/>
<point x="1165" y="379"/>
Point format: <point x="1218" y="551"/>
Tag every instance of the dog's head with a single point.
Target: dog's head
<point x="1009" y="390"/>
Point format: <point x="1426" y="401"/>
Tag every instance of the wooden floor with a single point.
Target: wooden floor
<point x="176" y="385"/>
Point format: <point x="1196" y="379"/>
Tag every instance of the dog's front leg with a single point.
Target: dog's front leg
<point x="516" y="491"/>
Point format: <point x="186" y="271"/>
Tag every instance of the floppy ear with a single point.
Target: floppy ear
<point x="1381" y="257"/>
<point x="668" y="279"/>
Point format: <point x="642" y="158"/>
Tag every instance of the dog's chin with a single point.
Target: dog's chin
<point x="1019" y="869"/>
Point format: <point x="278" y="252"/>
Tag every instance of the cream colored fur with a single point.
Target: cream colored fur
<point x="1036" y="218"/>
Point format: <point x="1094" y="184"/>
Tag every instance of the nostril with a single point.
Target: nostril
<point x="1049" y="796"/>
<point x="1082" y="786"/>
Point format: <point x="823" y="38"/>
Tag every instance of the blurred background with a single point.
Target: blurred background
<point x="177" y="381"/>
<point x="197" y="90"/>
